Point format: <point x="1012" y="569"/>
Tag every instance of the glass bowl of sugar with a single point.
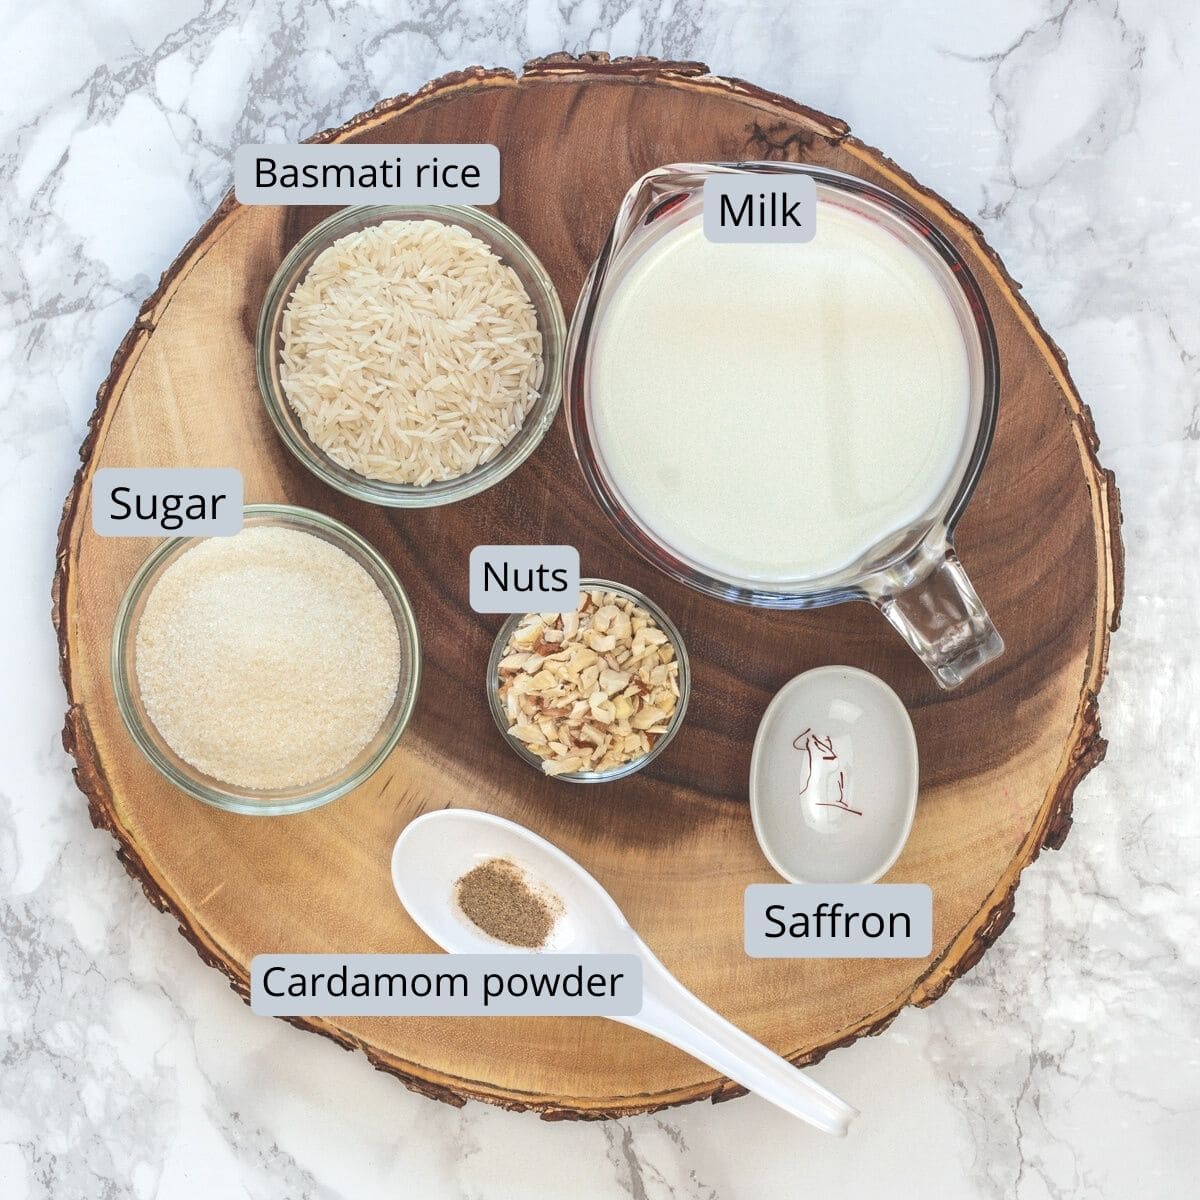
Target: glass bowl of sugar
<point x="268" y="672"/>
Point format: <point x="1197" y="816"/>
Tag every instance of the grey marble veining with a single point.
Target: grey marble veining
<point x="1066" y="1064"/>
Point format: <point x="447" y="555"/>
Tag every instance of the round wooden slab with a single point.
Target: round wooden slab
<point x="1000" y="757"/>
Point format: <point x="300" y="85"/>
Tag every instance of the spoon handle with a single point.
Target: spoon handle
<point x="671" y="1012"/>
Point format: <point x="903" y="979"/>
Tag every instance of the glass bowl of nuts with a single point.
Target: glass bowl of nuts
<point x="594" y="694"/>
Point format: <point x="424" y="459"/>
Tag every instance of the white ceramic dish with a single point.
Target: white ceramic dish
<point x="833" y="777"/>
<point x="440" y="847"/>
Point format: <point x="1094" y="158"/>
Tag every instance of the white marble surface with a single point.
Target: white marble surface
<point x="1067" y="129"/>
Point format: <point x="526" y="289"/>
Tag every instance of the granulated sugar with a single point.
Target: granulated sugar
<point x="268" y="659"/>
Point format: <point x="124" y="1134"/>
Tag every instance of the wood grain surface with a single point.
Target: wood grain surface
<point x="1000" y="757"/>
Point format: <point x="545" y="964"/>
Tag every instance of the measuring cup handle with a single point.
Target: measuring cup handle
<point x="943" y="620"/>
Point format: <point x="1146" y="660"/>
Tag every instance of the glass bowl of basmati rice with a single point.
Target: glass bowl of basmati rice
<point x="411" y="355"/>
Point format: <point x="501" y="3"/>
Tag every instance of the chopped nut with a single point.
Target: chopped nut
<point x="526" y="635"/>
<point x="612" y="681"/>
<point x="649" y="715"/>
<point x="562" y="766"/>
<point x="528" y="733"/>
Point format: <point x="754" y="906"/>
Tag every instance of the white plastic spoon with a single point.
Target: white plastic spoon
<point x="436" y="850"/>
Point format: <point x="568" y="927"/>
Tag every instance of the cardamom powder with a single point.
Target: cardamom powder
<point x="497" y="897"/>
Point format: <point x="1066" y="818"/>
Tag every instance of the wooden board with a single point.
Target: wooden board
<point x="1000" y="757"/>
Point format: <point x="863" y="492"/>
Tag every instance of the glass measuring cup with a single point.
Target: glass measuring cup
<point x="911" y="572"/>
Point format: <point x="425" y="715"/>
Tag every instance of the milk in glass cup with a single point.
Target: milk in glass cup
<point x="789" y="425"/>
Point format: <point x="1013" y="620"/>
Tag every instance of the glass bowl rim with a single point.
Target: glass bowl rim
<point x="227" y="797"/>
<point x="624" y="769"/>
<point x="551" y="323"/>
